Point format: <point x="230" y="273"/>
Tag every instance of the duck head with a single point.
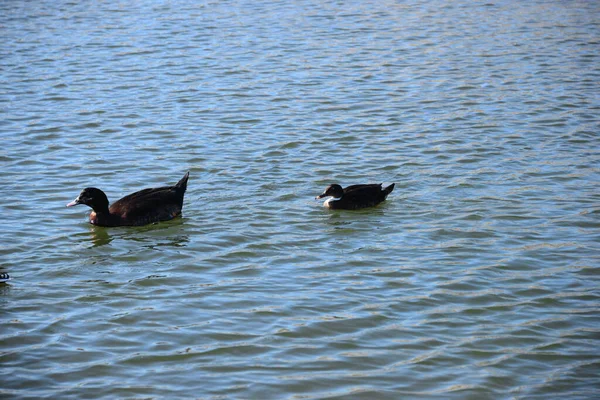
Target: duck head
<point x="334" y="191"/>
<point x="91" y="197"/>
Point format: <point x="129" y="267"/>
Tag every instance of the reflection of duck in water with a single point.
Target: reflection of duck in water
<point x="4" y="277"/>
<point x="355" y="196"/>
<point x="140" y="208"/>
<point x="100" y="236"/>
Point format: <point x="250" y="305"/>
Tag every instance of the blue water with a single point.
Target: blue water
<point x="478" y="278"/>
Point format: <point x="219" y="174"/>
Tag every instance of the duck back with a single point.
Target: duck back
<point x="361" y="196"/>
<point x="150" y="205"/>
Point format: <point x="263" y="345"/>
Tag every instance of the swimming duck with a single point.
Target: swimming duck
<point x="355" y="196"/>
<point x="140" y="208"/>
<point x="4" y="277"/>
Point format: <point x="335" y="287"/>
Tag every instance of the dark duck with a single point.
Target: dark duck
<point x="140" y="208"/>
<point x="355" y="196"/>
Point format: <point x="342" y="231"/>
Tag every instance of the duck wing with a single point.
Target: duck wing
<point x="360" y="196"/>
<point x="149" y="205"/>
<point x="368" y="188"/>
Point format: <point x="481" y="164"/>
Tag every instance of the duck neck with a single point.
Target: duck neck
<point x="101" y="216"/>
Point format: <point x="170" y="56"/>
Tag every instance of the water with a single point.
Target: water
<point x="478" y="278"/>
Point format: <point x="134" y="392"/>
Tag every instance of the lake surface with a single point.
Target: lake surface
<point x="479" y="278"/>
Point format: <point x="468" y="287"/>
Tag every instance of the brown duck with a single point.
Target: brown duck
<point x="140" y="208"/>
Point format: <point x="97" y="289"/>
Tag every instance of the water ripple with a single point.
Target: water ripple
<point x="478" y="278"/>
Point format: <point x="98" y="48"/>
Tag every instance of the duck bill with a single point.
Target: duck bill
<point x="321" y="196"/>
<point x="73" y="203"/>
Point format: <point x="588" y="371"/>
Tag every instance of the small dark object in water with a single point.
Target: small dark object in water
<point x="355" y="196"/>
<point x="140" y="208"/>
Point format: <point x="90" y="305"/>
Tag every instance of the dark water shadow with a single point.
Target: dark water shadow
<point x="166" y="233"/>
<point x="5" y="285"/>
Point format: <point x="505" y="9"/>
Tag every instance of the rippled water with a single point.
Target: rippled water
<point x="478" y="278"/>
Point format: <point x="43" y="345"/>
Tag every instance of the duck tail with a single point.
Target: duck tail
<point x="182" y="184"/>
<point x="389" y="189"/>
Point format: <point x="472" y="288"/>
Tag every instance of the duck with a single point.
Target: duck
<point x="4" y="277"/>
<point x="144" y="207"/>
<point x="355" y="196"/>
